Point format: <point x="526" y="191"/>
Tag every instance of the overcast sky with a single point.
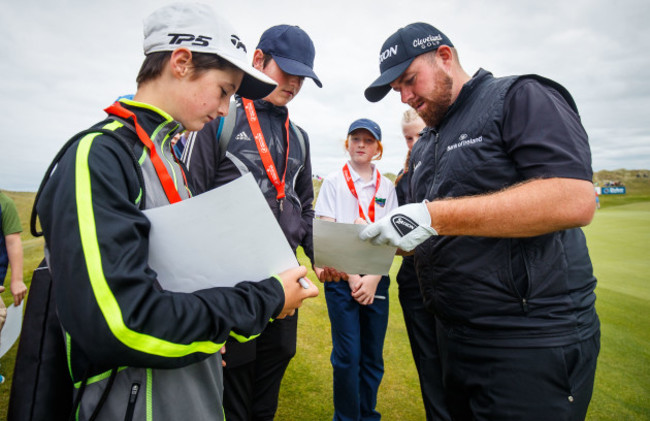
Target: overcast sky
<point x="65" y="61"/>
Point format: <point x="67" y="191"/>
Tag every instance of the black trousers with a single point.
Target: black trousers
<point x="254" y="371"/>
<point x="485" y="383"/>
<point x="421" y="329"/>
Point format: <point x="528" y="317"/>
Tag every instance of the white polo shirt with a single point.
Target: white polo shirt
<point x="335" y="199"/>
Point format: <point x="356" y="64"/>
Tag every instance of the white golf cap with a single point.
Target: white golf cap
<point x="198" y="28"/>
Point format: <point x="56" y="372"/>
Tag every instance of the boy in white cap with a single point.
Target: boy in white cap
<point x="136" y="351"/>
<point x="264" y="142"/>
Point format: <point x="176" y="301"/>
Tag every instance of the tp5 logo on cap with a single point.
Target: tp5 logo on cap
<point x="201" y="40"/>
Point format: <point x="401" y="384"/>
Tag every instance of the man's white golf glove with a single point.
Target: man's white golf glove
<point x="405" y="227"/>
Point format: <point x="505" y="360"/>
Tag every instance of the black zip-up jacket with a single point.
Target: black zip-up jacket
<point x="109" y="301"/>
<point x="207" y="169"/>
<point x="521" y="292"/>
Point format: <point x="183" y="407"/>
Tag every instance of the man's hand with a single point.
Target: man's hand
<point x="294" y="293"/>
<point x="405" y="227"/>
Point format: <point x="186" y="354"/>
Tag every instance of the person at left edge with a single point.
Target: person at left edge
<point x="265" y="143"/>
<point x="146" y="353"/>
<point x="11" y="254"/>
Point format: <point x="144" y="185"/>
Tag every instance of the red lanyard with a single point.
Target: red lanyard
<point x="269" y="166"/>
<point x="371" y="207"/>
<point x="163" y="175"/>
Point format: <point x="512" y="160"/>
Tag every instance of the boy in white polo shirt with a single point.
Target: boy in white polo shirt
<point x="358" y="308"/>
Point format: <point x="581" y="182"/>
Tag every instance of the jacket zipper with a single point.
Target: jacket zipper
<point x="130" y="409"/>
<point x="524" y="300"/>
<point x="435" y="165"/>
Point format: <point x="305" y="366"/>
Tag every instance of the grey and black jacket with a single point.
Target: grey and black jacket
<point x="163" y="345"/>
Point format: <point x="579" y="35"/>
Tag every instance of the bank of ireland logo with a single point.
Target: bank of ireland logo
<point x="403" y="224"/>
<point x="237" y="42"/>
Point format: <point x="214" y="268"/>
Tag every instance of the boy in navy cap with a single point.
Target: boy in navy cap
<point x="264" y="142"/>
<point x="504" y="267"/>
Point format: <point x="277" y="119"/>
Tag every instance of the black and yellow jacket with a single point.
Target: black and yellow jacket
<point x="164" y="345"/>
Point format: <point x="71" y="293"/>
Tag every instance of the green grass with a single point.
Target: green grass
<point x="619" y="244"/>
<point x="618" y="239"/>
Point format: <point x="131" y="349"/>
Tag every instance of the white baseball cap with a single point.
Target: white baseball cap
<point x="198" y="28"/>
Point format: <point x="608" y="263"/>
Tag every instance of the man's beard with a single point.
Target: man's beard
<point x="435" y="109"/>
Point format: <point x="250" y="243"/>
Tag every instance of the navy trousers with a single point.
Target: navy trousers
<point x="358" y="334"/>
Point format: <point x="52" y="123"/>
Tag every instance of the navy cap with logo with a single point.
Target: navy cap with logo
<point x="365" y="123"/>
<point x="399" y="51"/>
<point x="292" y="50"/>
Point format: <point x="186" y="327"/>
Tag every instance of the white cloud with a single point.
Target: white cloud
<point x="65" y="60"/>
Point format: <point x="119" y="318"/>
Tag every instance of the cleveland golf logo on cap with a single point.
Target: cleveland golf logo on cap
<point x="427" y="42"/>
<point x="403" y="224"/>
<point x="201" y="40"/>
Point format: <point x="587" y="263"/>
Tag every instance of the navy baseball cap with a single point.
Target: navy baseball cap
<point x="292" y="50"/>
<point x="399" y="51"/>
<point x="364" y="123"/>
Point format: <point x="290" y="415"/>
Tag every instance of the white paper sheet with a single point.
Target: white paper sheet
<point x="219" y="238"/>
<point x="12" y="327"/>
<point x="338" y="245"/>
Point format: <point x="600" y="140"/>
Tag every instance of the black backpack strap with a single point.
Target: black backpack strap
<point x="121" y="141"/>
<point x="301" y="140"/>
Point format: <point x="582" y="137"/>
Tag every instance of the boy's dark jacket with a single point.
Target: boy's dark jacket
<point x="207" y="170"/>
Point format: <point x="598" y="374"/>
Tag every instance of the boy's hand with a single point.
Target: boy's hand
<point x="364" y="290"/>
<point x="329" y="274"/>
<point x="353" y="282"/>
<point x="294" y="293"/>
<point x="18" y="290"/>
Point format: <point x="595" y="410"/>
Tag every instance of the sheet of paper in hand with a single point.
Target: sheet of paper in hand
<point x="11" y="329"/>
<point x="219" y="238"/>
<point x="338" y="245"/>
